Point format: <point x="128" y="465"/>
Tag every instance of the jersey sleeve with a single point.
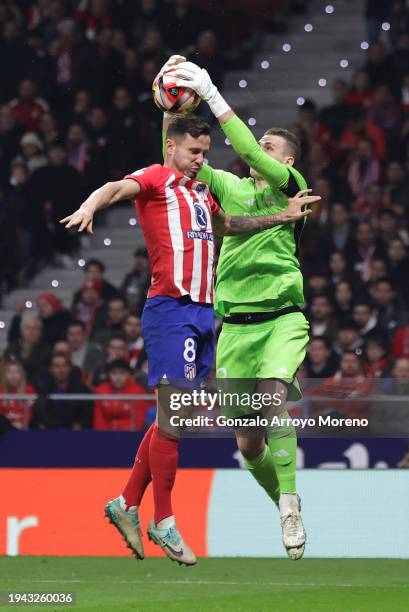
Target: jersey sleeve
<point x="247" y="148"/>
<point x="214" y="207"/>
<point x="219" y="182"/>
<point x="148" y="178"/>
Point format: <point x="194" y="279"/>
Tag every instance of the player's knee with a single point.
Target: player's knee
<point x="250" y="447"/>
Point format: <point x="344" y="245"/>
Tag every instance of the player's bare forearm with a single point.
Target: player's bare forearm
<point x="226" y="225"/>
<point x="101" y="198"/>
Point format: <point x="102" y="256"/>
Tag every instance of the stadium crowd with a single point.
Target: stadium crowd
<point x="76" y="109"/>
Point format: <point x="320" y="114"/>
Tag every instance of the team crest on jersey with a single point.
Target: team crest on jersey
<point x="190" y="371"/>
<point x="200" y="187"/>
<point x="201" y="217"/>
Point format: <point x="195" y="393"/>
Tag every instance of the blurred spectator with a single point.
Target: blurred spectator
<point x="120" y="414"/>
<point x="115" y="350"/>
<point x="321" y="318"/>
<point x="365" y="318"/>
<point x="399" y="266"/>
<point x="380" y="67"/>
<point x="28" y="108"/>
<point x="94" y="269"/>
<point x="136" y="283"/>
<point x="17" y="412"/>
<point x="392" y="417"/>
<point x="32" y="152"/>
<point x="67" y="414"/>
<point x="385" y="112"/>
<point x="376" y="363"/>
<point x="29" y="349"/>
<point x="84" y="354"/>
<point x="133" y="338"/>
<point x="86" y="308"/>
<point x="50" y="203"/>
<point x="390" y="315"/>
<point x="334" y="117"/>
<point x="340" y="230"/>
<point x="400" y="343"/>
<point x="347" y="384"/>
<point x="321" y="361"/>
<point x="129" y="134"/>
<point x="343" y="298"/>
<point x="348" y="338"/>
<point x="358" y="129"/>
<point x="360" y="93"/>
<point x="53" y="315"/>
<point x="109" y="320"/>
<point x="363" y="170"/>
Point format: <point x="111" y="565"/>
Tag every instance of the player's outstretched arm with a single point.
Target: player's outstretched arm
<point x="226" y="225"/>
<point x="239" y="135"/>
<point x="101" y="198"/>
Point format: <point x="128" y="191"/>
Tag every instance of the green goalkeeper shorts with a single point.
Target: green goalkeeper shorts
<point x="273" y="349"/>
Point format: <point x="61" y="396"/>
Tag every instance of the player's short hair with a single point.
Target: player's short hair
<point x="189" y="124"/>
<point x="293" y="142"/>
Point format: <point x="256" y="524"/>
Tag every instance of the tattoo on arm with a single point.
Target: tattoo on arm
<point x="250" y="225"/>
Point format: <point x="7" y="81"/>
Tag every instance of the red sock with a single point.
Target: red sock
<point x="141" y="472"/>
<point x="163" y="459"/>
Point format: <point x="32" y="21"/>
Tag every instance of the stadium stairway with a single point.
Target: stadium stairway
<point x="277" y="79"/>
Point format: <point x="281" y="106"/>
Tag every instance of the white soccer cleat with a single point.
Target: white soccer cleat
<point x="172" y="544"/>
<point x="128" y="524"/>
<point x="294" y="536"/>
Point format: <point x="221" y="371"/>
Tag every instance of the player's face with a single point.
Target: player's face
<point x="277" y="148"/>
<point x="187" y="154"/>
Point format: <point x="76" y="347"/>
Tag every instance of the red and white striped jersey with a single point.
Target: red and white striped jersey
<point x="175" y="214"/>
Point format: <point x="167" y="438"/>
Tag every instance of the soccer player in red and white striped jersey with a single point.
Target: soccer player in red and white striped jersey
<point x="178" y="216"/>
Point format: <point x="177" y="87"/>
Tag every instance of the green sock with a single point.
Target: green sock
<point x="262" y="468"/>
<point x="282" y="442"/>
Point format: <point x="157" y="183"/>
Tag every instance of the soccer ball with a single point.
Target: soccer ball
<point x="170" y="98"/>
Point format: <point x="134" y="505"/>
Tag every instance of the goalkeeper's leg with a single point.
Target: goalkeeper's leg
<point x="282" y="443"/>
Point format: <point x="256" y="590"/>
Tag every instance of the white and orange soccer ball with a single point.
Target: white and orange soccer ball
<point x="171" y="98"/>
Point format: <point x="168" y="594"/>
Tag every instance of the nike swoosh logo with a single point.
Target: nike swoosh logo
<point x="177" y="553"/>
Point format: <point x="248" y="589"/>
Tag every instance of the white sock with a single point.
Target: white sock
<point x="288" y="502"/>
<point x="124" y="505"/>
<point x="166" y="523"/>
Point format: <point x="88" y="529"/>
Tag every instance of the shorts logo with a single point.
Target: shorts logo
<point x="201" y="217"/>
<point x="281" y="371"/>
<point x="190" y="371"/>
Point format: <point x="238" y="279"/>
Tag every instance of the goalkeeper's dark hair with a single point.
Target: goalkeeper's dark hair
<point x="293" y="142"/>
<point x="188" y="124"/>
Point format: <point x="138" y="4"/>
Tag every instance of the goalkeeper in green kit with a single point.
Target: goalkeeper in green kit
<point x="259" y="292"/>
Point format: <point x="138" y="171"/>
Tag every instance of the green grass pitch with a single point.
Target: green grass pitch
<point x="214" y="585"/>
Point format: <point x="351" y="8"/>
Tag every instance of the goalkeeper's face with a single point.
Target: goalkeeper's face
<point x="277" y="148"/>
<point x="187" y="154"/>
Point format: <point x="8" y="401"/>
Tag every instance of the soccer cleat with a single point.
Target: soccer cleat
<point x="172" y="544"/>
<point x="128" y="524"/>
<point x="294" y="536"/>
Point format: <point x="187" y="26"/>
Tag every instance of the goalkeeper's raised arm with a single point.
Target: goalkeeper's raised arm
<point x="271" y="159"/>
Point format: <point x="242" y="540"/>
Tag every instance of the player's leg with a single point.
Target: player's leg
<point x="236" y="361"/>
<point x="282" y="353"/>
<point x="163" y="459"/>
<point x="123" y="511"/>
<point x="189" y="355"/>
